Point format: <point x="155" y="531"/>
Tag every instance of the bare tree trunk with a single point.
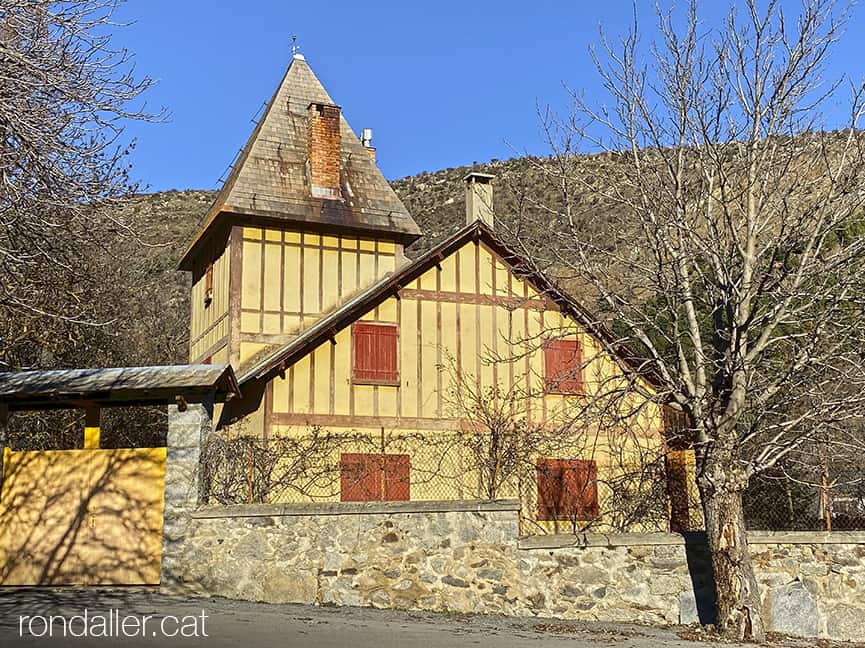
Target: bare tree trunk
<point x="738" y="599"/>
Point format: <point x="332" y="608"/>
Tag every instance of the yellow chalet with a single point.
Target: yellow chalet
<point x="366" y="375"/>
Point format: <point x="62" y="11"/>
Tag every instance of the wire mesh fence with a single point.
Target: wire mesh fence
<point x="561" y="488"/>
<point x="807" y="496"/>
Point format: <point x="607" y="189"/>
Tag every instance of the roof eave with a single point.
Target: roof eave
<point x="222" y="387"/>
<point x="407" y="234"/>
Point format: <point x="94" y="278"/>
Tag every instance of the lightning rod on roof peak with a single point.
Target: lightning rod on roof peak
<point x="295" y="48"/>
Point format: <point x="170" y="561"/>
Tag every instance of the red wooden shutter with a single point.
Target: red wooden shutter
<point x="563" y="366"/>
<point x="567" y="488"/>
<point x="397" y="483"/>
<point x="581" y="478"/>
<point x="360" y="478"/>
<point x="550" y="489"/>
<point x="375" y="353"/>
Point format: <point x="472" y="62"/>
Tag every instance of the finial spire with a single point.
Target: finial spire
<point x="295" y="48"/>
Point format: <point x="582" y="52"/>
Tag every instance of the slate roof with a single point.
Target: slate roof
<point x="270" y="178"/>
<point x="272" y="361"/>
<point x="65" y="388"/>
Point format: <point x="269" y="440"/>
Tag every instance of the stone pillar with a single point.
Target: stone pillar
<point x="187" y="431"/>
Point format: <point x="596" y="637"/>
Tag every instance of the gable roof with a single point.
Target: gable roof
<point x="327" y="328"/>
<point x="270" y="181"/>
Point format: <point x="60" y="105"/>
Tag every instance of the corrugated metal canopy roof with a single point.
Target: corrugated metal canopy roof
<point x="68" y="388"/>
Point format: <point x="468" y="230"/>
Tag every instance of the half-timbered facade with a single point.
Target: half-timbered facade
<point x="378" y="366"/>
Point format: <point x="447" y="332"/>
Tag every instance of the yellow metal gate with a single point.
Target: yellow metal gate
<point x="88" y="517"/>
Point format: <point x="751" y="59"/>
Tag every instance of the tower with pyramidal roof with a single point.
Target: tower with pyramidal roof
<point x="304" y="220"/>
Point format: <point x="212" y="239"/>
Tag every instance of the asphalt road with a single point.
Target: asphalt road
<point x="226" y="623"/>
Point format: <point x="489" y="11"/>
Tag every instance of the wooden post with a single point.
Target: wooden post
<point x="92" y="423"/>
<point x="4" y="439"/>
<point x="827" y="501"/>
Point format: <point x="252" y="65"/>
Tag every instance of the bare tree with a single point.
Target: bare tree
<point x="499" y="441"/>
<point x="732" y="259"/>
<point x="509" y="450"/>
<point x="65" y="95"/>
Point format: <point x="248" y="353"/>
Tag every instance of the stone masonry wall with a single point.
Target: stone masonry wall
<point x="467" y="557"/>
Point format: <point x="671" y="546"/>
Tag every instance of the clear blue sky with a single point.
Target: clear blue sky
<point x="441" y="83"/>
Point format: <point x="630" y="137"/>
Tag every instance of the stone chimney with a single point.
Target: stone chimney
<point x="479" y="198"/>
<point x="324" y="148"/>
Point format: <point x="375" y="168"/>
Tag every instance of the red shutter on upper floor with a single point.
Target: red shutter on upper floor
<point x="375" y="353"/>
<point x="567" y="489"/>
<point x="374" y="477"/>
<point x="563" y="373"/>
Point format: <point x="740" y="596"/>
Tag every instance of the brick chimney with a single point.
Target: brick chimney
<point x="324" y="147"/>
<point x="479" y="198"/>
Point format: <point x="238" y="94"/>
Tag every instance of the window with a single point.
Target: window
<point x="374" y="477"/>
<point x="567" y="489"/>
<point x="208" y="285"/>
<point x="563" y="373"/>
<point x="375" y="353"/>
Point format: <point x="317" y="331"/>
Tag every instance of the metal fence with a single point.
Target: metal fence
<point x="603" y="490"/>
<point x="807" y="498"/>
<point x="559" y="491"/>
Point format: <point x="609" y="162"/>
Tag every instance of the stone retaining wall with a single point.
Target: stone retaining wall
<point x="467" y="557"/>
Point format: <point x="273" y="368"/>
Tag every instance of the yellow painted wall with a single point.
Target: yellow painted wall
<point x="209" y="324"/>
<point x="483" y="339"/>
<point x="470" y="309"/>
<point x="70" y="517"/>
<point x="290" y="279"/>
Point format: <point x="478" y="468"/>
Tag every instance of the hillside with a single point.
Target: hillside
<point x="154" y="328"/>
